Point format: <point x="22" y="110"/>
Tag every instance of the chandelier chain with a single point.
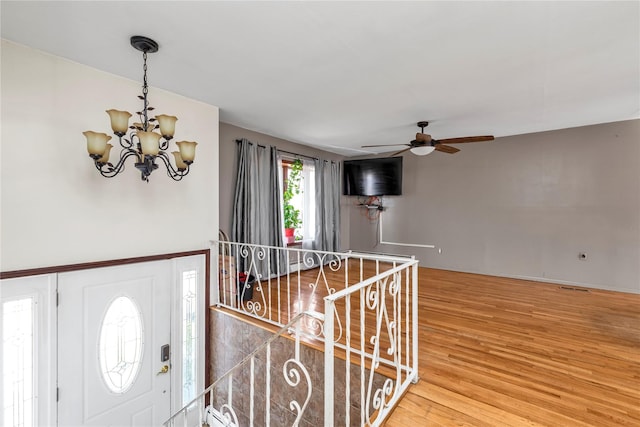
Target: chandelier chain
<point x="145" y="91"/>
<point x="144" y="68"/>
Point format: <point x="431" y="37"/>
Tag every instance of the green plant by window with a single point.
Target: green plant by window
<point x="291" y="214"/>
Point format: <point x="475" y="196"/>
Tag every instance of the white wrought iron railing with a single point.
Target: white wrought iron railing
<point x="368" y="333"/>
<point x="225" y="403"/>
<point x="383" y="329"/>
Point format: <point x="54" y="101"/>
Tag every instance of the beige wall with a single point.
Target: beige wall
<point x="523" y="206"/>
<point x="228" y="153"/>
<point x="56" y="209"/>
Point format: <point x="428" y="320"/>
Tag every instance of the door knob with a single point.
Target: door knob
<point x="164" y="370"/>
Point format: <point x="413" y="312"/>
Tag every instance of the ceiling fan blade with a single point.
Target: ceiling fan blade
<point x="423" y="137"/>
<point x="383" y="145"/>
<point x="467" y="139"/>
<point x="400" y="152"/>
<point x="446" y="149"/>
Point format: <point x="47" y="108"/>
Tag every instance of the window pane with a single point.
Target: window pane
<point x="189" y="335"/>
<point x="18" y="362"/>
<point x="121" y="344"/>
<point x="305" y="200"/>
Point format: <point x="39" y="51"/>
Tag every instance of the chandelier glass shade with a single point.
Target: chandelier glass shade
<point x="148" y="140"/>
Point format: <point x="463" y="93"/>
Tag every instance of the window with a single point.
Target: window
<point x="298" y="198"/>
<point x="189" y="335"/>
<point x="18" y="362"/>
<point x="27" y="351"/>
<point x="121" y="344"/>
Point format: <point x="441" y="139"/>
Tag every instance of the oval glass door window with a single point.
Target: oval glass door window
<point x="121" y="344"/>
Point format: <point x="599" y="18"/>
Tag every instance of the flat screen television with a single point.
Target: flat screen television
<point x="372" y="177"/>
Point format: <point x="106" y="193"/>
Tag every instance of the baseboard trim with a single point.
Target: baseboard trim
<point x="548" y="280"/>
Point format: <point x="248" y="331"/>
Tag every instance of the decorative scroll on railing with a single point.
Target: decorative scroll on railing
<point x="369" y="330"/>
<point x="273" y="284"/>
<point x="255" y="390"/>
<point x="380" y="324"/>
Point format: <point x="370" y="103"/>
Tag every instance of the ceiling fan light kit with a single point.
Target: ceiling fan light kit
<point x="422" y="151"/>
<point x="424" y="144"/>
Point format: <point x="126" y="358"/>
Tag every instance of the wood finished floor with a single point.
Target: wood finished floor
<point x="504" y="352"/>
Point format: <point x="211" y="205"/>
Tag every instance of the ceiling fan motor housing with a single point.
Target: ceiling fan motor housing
<point x="424" y="140"/>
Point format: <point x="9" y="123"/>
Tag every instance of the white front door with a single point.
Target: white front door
<point x="113" y="337"/>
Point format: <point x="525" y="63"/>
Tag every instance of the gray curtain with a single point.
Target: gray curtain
<point x="257" y="217"/>
<point x="327" y="178"/>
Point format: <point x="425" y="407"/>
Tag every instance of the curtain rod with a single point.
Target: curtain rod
<point x="283" y="151"/>
<point x="297" y="155"/>
<point x="261" y="146"/>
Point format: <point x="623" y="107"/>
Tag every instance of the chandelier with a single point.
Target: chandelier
<point x="142" y="143"/>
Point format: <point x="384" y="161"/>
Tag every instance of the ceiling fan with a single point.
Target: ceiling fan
<point x="424" y="144"/>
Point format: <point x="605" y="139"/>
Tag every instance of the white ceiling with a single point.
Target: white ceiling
<point x="338" y="75"/>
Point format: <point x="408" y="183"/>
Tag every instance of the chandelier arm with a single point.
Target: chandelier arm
<point x="109" y="171"/>
<point x="176" y="175"/>
<point x="126" y="143"/>
<point x="164" y="144"/>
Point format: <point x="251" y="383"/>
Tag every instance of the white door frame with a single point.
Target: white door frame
<point x="47" y="323"/>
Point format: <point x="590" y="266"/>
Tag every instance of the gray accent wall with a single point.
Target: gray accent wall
<point x="524" y="206"/>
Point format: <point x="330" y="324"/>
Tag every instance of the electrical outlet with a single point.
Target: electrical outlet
<point x="582" y="256"/>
